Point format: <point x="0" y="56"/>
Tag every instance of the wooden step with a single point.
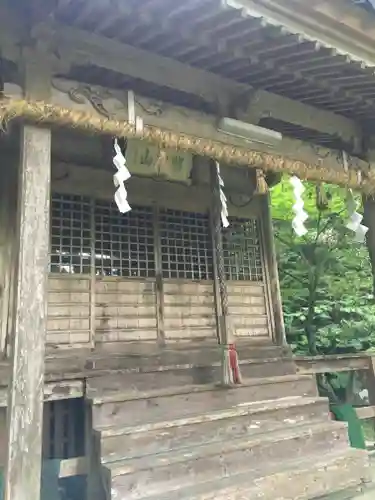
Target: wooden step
<point x="243" y="420"/>
<point x="365" y="491"/>
<point x="161" y="377"/>
<point x="361" y="492"/>
<point x="129" y="406"/>
<point x="193" y="355"/>
<point x="162" y="472"/>
<point x="302" y="479"/>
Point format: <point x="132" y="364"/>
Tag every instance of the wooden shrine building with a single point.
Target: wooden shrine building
<point x="109" y="322"/>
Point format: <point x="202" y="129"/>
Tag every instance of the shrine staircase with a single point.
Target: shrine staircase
<point x="163" y="430"/>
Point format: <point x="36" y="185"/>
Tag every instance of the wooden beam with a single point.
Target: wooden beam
<point x="110" y="103"/>
<point x="366" y="412"/>
<point x="272" y="273"/>
<point x="25" y="407"/>
<point x="54" y="391"/>
<point x="81" y="47"/>
<point x="332" y="363"/>
<point x="265" y="104"/>
<point x="186" y="121"/>
<point x="102" y="102"/>
<point x="71" y="467"/>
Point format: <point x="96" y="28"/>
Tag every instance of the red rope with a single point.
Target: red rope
<point x="233" y="359"/>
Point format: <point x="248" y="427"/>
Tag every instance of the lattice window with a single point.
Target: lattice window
<point x="185" y="245"/>
<point x="124" y="244"/>
<point x="242" y="252"/>
<point x="70" y="234"/>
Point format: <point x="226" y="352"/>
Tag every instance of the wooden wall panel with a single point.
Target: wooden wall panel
<point x="189" y="310"/>
<point x="68" y="321"/>
<point x="248" y="309"/>
<point x="125" y="310"/>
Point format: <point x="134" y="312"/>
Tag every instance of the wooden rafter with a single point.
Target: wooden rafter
<point x="322" y="23"/>
<point x="79" y="47"/>
<point x="83" y="47"/>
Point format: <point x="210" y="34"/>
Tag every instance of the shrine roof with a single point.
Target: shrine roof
<point x="256" y="43"/>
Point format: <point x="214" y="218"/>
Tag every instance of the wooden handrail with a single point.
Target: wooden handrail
<point x="333" y="363"/>
<point x="366" y="412"/>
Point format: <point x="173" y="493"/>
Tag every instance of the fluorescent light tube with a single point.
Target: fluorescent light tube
<point x="249" y="132"/>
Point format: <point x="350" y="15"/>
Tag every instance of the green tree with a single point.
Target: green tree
<point x="326" y="280"/>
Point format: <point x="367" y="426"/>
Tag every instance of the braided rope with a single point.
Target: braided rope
<point x="218" y="241"/>
<point x="320" y="170"/>
<point x="231" y="373"/>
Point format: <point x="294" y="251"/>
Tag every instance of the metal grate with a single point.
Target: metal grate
<point x="124" y="244"/>
<point x="70" y="234"/>
<point x="185" y="245"/>
<point x="242" y="252"/>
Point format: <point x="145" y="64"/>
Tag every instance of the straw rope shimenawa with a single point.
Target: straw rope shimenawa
<point x="50" y="114"/>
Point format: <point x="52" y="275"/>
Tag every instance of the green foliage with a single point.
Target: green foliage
<point x="325" y="277"/>
<point x="282" y="199"/>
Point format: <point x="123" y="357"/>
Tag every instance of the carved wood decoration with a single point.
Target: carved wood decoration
<point x="144" y="157"/>
<point x="177" y="128"/>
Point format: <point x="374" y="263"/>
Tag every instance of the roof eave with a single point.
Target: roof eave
<point x="327" y="26"/>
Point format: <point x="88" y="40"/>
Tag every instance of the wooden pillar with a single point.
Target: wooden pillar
<point x="8" y="197"/>
<point x="370" y="379"/>
<point x="269" y="252"/>
<point x="217" y="297"/>
<point x="92" y="276"/>
<point x="25" y="404"/>
<point x="369" y="221"/>
<point x="5" y="254"/>
<point x="159" y="292"/>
